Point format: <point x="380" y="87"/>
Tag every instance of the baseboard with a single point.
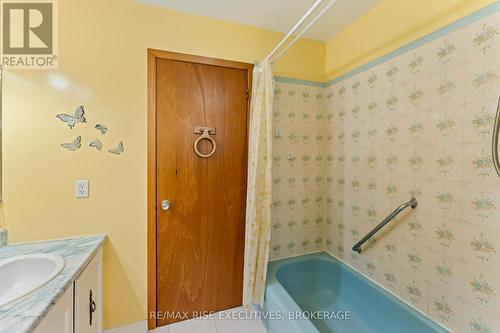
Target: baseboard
<point x="139" y="327"/>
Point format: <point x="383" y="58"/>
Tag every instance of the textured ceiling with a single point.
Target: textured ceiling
<point x="276" y="15"/>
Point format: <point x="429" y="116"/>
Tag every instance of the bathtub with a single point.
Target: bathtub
<point x="320" y="293"/>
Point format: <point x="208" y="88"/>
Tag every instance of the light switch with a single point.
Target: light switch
<point x="82" y="189"/>
<point x="278" y="132"/>
<point x="290" y="155"/>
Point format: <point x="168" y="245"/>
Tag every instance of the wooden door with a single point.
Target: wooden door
<point x="200" y="238"/>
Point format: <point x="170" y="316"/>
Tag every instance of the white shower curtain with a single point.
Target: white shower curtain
<point x="259" y="187"/>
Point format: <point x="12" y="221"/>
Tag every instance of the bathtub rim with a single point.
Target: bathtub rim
<point x="281" y="297"/>
<point x="273" y="281"/>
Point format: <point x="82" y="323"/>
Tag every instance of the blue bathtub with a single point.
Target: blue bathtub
<point x="320" y="293"/>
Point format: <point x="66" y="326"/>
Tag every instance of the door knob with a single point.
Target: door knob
<point x="165" y="204"/>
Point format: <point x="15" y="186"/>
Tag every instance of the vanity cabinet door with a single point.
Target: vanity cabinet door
<point x="88" y="298"/>
<point x="60" y="317"/>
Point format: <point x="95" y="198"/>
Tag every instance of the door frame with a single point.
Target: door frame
<point x="153" y="55"/>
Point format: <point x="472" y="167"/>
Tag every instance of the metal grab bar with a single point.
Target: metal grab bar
<point x="412" y="203"/>
<point x="494" y="143"/>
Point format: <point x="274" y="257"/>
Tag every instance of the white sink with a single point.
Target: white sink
<point x="22" y="275"/>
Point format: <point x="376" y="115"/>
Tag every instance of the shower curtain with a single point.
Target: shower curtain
<point x="258" y="214"/>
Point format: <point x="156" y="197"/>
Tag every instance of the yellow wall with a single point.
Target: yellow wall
<point x="389" y="26"/>
<point x="103" y="58"/>
<point x="103" y="66"/>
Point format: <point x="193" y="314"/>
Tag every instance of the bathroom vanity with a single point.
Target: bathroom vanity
<point x="79" y="310"/>
<point x="71" y="302"/>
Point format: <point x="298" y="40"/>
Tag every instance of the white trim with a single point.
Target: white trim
<point x="139" y="327"/>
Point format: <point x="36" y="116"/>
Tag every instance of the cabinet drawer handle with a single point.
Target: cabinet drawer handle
<point x="92" y="307"/>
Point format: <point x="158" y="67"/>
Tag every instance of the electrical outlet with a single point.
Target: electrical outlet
<point x="82" y="189"/>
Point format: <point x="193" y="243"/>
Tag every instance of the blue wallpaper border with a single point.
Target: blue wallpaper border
<point x="469" y="19"/>
<point x="284" y="79"/>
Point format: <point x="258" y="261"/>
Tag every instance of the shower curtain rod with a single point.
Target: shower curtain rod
<point x="307" y="27"/>
<point x="295" y="27"/>
<point x="303" y="31"/>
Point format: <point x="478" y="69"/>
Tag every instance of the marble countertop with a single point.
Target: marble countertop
<point x="25" y="314"/>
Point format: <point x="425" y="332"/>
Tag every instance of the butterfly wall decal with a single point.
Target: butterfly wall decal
<point x="118" y="150"/>
<point x="96" y="144"/>
<point x="102" y="128"/>
<point x="71" y="121"/>
<point x="79" y="117"/>
<point x="73" y="146"/>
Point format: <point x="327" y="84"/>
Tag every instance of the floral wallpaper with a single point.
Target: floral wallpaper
<point x="298" y="170"/>
<point x="418" y="124"/>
